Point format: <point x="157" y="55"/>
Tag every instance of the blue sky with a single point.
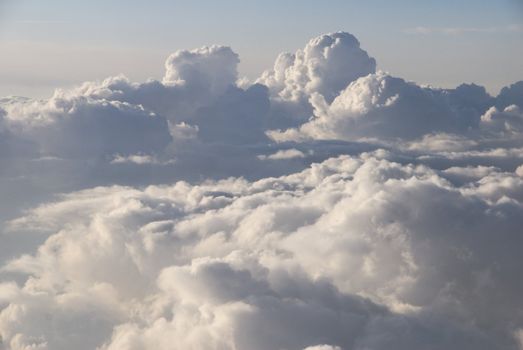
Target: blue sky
<point x="53" y="43"/>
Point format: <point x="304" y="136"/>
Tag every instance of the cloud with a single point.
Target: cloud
<point x="442" y="142"/>
<point x="283" y="154"/>
<point x="325" y="207"/>
<point x="192" y="79"/>
<point x="212" y="68"/>
<point x="238" y="117"/>
<point x="510" y="95"/>
<point x="382" y="107"/>
<point x="39" y="22"/>
<point x="73" y="126"/>
<point x="139" y="159"/>
<point x="326" y="65"/>
<point x="226" y="264"/>
<point x="509" y="121"/>
<point x="378" y="105"/>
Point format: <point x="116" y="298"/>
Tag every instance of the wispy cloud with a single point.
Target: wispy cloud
<point x="39" y="21"/>
<point x="514" y="28"/>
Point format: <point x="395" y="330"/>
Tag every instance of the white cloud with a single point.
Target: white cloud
<point x="224" y="264"/>
<point x="211" y="68"/>
<point x="379" y="105"/>
<point x="283" y="154"/>
<point x="386" y="216"/>
<point x="193" y="79"/>
<point x="73" y="126"/>
<point x="442" y="142"/>
<point x="139" y="159"/>
<point x="509" y="121"/>
<point x="326" y="66"/>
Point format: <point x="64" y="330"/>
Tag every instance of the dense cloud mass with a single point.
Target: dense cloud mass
<point x="327" y="206"/>
<point x="326" y="65"/>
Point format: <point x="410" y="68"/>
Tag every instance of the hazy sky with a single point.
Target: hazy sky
<point x="54" y="43"/>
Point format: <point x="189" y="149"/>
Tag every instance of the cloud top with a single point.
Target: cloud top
<point x="326" y="65"/>
<point x="213" y="68"/>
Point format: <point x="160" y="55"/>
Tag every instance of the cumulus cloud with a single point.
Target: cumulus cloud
<point x="328" y="206"/>
<point x="212" y="68"/>
<point x="326" y="66"/>
<point x="510" y="95"/>
<point x="509" y="121"/>
<point x="266" y="264"/>
<point x="80" y="126"/>
<point x="192" y="79"/>
<point x="378" y="106"/>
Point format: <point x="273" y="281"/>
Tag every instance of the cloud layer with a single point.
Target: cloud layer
<point x="327" y="206"/>
<point x="361" y="251"/>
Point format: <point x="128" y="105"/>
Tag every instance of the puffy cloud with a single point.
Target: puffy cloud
<point x="379" y="105"/>
<point x="509" y="121"/>
<point x="510" y="95"/>
<point x="213" y="68"/>
<point x="469" y="101"/>
<point x="193" y="79"/>
<point x="132" y="133"/>
<point x="357" y="252"/>
<point x="68" y="126"/>
<point x="67" y="143"/>
<point x="387" y="215"/>
<point x="326" y="66"/>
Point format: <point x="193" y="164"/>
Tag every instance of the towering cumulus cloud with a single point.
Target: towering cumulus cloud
<point x="212" y="68"/>
<point x="328" y="206"/>
<point x="326" y="65"/>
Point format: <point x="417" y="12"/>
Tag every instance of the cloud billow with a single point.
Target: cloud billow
<point x="327" y="206"/>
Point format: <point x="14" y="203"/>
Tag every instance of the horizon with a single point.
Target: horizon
<point x="58" y="44"/>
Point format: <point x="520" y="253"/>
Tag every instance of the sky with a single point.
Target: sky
<point x="59" y="43"/>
